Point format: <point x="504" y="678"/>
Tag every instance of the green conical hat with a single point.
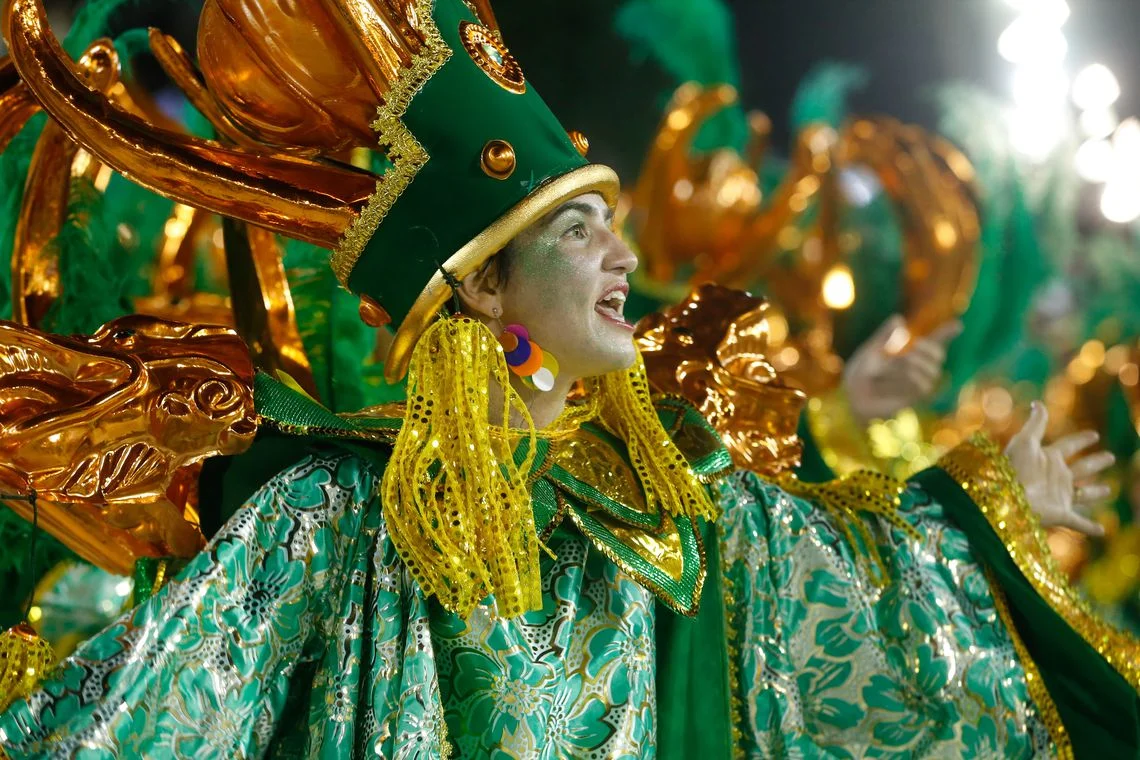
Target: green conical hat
<point x="452" y="199"/>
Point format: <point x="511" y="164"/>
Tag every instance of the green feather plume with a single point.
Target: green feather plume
<point x="824" y="92"/>
<point x="693" y="41"/>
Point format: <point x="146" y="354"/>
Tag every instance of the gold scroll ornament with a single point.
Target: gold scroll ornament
<point x="99" y="427"/>
<point x="710" y="349"/>
<point x="264" y="311"/>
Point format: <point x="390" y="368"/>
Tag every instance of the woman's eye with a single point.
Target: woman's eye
<point x="578" y="232"/>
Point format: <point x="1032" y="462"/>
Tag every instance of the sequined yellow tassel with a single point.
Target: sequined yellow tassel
<point x="456" y="502"/>
<point x="626" y="410"/>
<point x="24" y="658"/>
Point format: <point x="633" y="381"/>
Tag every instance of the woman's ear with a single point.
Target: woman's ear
<point x="480" y="293"/>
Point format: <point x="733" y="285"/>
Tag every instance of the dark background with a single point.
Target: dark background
<point x="908" y="47"/>
<point x="569" y="51"/>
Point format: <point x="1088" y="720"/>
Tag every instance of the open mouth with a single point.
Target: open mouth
<point x="611" y="305"/>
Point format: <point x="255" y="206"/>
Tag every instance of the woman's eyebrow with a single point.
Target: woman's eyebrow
<point x="587" y="209"/>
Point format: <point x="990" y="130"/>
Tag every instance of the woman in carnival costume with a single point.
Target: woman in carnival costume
<point x="496" y="570"/>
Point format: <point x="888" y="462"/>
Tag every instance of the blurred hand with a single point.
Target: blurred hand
<point x="1058" y="489"/>
<point x="880" y="381"/>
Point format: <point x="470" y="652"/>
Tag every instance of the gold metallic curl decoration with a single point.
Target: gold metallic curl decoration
<point x="700" y="217"/>
<point x="497" y="159"/>
<point x="581" y="143"/>
<point x="312" y="201"/>
<point x="304" y="76"/>
<point x="931" y="184"/>
<point x="44" y="206"/>
<point x="16" y="103"/>
<point x="181" y="70"/>
<point x="263" y="303"/>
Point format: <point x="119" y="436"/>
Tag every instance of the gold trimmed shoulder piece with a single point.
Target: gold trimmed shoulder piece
<point x="984" y="473"/>
<point x="697" y="440"/>
<point x="709" y="350"/>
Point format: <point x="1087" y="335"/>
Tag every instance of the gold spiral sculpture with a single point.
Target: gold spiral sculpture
<point x="702" y="217"/>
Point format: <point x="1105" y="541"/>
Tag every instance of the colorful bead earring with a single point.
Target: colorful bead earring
<point x="536" y="367"/>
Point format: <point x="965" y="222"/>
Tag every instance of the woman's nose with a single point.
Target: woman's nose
<point x="620" y="258"/>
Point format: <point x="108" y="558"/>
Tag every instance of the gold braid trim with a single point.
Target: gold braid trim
<point x="984" y="473"/>
<point x="1033" y="681"/>
<point x="731" y="631"/>
<point x="849" y="496"/>
<point x="405" y="152"/>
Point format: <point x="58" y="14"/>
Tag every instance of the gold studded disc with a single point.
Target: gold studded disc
<point x="491" y="55"/>
<point x="580" y="141"/>
<point x="498" y="159"/>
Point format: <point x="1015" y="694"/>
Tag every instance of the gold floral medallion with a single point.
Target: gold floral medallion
<point x="491" y="55"/>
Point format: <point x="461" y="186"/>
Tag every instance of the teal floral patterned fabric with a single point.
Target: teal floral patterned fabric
<point x="830" y="664"/>
<point x="297" y="633"/>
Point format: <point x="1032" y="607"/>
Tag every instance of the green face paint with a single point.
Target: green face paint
<point x="567" y="287"/>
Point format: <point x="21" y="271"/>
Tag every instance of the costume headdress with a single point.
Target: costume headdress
<point x="402" y="136"/>
<point x="471" y="155"/>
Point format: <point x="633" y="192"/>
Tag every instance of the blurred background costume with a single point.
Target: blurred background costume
<point x="869" y="217"/>
<point x="314" y="579"/>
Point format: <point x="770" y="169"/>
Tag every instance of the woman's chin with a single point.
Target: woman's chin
<point x="613" y="358"/>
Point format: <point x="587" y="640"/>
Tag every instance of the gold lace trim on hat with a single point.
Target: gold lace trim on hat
<point x="397" y="142"/>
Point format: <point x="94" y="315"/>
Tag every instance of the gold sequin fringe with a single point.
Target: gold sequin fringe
<point x="456" y="503"/>
<point x="626" y="410"/>
<point x="848" y="498"/>
<point x="24" y="658"/>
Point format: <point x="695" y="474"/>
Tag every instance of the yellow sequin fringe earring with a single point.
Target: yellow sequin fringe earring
<point x="456" y="502"/>
<point x="626" y="410"/>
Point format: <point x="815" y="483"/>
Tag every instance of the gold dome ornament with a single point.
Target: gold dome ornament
<point x="372" y="313"/>
<point x="498" y="159"/>
<point x="580" y="141"/>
